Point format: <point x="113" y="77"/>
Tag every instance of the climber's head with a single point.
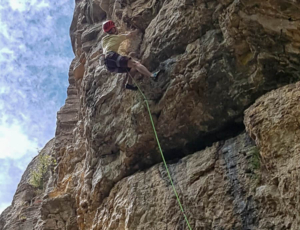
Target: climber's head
<point x="109" y="27"/>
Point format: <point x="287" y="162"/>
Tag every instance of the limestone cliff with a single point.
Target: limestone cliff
<point x="226" y="110"/>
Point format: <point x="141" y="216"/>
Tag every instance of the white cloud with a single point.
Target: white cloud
<point x="4" y="30"/>
<point x="3" y="90"/>
<point x="43" y="4"/>
<point x="14" y="143"/>
<point x="34" y="61"/>
<point x="18" y="4"/>
<point x="22" y="5"/>
<point x="5" y="50"/>
<point x="4" y="177"/>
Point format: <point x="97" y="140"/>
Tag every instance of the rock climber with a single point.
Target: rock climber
<point x="114" y="62"/>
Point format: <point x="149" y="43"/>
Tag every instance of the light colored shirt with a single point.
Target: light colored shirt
<point x="111" y="42"/>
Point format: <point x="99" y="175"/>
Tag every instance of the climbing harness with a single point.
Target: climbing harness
<point x="161" y="152"/>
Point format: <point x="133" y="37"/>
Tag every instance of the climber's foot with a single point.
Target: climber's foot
<point x="131" y="87"/>
<point x="154" y="76"/>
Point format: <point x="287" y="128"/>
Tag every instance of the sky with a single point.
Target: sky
<point x="35" y="55"/>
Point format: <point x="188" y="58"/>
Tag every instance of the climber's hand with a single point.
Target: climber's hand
<point x="132" y="33"/>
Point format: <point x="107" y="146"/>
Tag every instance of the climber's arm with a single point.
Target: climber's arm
<point x="130" y="34"/>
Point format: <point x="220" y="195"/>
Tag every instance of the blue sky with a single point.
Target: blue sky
<point x="35" y="54"/>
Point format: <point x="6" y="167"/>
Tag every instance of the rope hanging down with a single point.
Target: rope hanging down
<point x="161" y="152"/>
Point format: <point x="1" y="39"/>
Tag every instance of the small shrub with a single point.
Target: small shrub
<point x="22" y="218"/>
<point x="37" y="175"/>
<point x="255" y="165"/>
<point x="255" y="158"/>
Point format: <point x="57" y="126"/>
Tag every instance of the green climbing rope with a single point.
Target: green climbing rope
<point x="161" y="152"/>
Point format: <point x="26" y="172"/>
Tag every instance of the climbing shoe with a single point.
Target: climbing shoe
<point x="131" y="87"/>
<point x="154" y="76"/>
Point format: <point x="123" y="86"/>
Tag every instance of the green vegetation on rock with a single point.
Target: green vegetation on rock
<point x="38" y="174"/>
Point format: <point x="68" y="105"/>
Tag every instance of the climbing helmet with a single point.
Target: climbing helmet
<point x="108" y="25"/>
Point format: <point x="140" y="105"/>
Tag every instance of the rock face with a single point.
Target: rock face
<point x="218" y="57"/>
<point x="273" y="122"/>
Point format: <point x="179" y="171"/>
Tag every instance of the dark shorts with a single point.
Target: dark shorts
<point x="114" y="62"/>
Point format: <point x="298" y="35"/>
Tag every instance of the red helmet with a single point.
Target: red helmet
<point x="108" y="25"/>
